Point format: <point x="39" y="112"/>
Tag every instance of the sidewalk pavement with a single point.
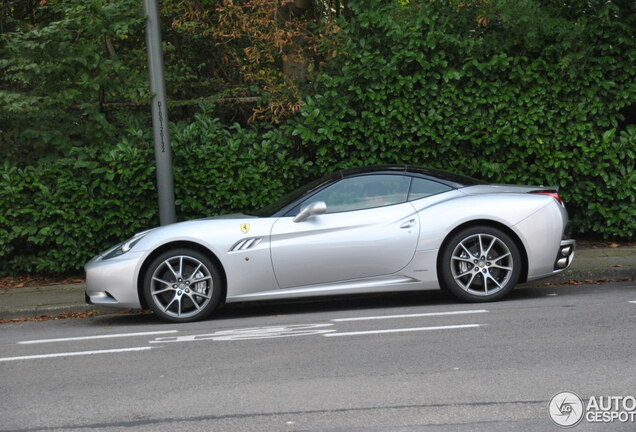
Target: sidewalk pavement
<point x="590" y="264"/>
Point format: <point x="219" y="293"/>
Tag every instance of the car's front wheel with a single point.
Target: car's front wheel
<point x="480" y="264"/>
<point x="182" y="285"/>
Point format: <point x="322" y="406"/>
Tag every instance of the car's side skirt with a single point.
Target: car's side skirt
<point x="357" y="286"/>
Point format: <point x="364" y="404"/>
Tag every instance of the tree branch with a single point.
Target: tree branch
<point x="177" y="103"/>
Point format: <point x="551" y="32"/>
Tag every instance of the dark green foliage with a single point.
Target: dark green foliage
<point x="60" y="213"/>
<point x="221" y="169"/>
<point x="74" y="72"/>
<point x="539" y="95"/>
<point x="57" y="215"/>
<point x="57" y="72"/>
<point x="517" y="91"/>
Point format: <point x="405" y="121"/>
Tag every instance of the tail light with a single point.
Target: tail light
<point x="553" y="194"/>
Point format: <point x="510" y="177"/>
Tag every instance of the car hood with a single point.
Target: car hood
<point x="210" y="232"/>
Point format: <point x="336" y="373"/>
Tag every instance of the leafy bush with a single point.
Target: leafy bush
<point x="220" y="169"/>
<point x="507" y="91"/>
<point x="513" y="91"/>
<point x="57" y="73"/>
<point x="60" y="214"/>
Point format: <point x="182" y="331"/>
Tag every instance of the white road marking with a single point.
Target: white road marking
<point x="251" y="333"/>
<point x="430" y="314"/>
<point x="106" y="336"/>
<point x="71" y="354"/>
<point x="633" y="302"/>
<point x="414" y="329"/>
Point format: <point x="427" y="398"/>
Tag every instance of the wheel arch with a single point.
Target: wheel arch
<point x="493" y="224"/>
<point x="174" y="245"/>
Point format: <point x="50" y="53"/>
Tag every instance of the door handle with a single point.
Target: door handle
<point x="408" y="224"/>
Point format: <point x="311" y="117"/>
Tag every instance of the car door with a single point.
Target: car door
<point x="368" y="230"/>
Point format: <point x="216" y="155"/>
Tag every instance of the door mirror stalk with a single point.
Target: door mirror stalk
<point x="315" y="208"/>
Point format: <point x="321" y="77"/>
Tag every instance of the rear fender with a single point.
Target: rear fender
<point x="438" y="219"/>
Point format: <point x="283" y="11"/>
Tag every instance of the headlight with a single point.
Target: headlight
<point x="124" y="247"/>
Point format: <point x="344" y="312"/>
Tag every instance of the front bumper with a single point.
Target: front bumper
<point x="113" y="282"/>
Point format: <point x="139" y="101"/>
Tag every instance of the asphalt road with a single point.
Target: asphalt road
<point x="401" y="362"/>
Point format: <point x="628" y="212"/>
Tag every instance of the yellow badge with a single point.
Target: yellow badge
<point x="245" y="228"/>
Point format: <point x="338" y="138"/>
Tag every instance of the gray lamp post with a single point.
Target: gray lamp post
<point x="161" y="133"/>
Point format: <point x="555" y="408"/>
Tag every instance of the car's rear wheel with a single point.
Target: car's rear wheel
<point x="480" y="264"/>
<point x="182" y="285"/>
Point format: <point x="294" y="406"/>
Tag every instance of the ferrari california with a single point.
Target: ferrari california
<point x="364" y="230"/>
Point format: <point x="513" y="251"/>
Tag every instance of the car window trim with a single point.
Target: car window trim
<point x="423" y="177"/>
<point x="293" y="208"/>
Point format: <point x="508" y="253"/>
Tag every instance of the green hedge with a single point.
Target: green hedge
<point x="518" y="91"/>
<point x="540" y="95"/>
<point x="58" y="215"/>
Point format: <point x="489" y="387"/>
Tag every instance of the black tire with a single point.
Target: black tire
<point x="480" y="264"/>
<point x="182" y="285"/>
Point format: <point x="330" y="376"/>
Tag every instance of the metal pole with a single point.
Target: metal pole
<point x="161" y="134"/>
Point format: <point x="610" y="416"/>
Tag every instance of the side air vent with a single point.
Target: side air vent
<point x="245" y="244"/>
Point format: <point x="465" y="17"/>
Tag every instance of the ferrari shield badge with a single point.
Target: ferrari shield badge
<point x="245" y="228"/>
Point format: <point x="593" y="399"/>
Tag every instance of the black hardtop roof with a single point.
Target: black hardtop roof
<point x="455" y="180"/>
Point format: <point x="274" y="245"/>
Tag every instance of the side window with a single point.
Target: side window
<point x="363" y="192"/>
<point x="421" y="188"/>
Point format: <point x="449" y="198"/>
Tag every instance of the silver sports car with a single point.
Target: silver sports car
<point x="379" y="229"/>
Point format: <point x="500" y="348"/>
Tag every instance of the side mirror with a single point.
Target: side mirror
<point x="315" y="208"/>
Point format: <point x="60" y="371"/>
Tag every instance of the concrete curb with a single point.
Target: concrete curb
<point x="618" y="274"/>
<point x="37" y="311"/>
<point x="52" y="300"/>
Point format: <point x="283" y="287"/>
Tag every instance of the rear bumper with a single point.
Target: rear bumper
<point x="565" y="256"/>
<point x="562" y="260"/>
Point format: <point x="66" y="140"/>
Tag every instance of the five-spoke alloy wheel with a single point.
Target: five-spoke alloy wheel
<point x="182" y="285"/>
<point x="480" y="264"/>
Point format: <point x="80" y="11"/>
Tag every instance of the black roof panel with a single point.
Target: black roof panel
<point x="454" y="180"/>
